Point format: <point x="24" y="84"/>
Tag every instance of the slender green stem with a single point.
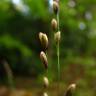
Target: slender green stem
<point x="58" y="49"/>
<point x="58" y="54"/>
<point x="47" y="68"/>
<point x="58" y="58"/>
<point x="58" y="20"/>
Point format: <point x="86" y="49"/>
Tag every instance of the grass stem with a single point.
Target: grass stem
<point x="58" y="53"/>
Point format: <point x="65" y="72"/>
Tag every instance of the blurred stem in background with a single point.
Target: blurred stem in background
<point x="9" y="74"/>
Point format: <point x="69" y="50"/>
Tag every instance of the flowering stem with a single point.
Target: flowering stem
<point x="58" y="52"/>
<point x="58" y="20"/>
<point x="58" y="59"/>
<point x="58" y="49"/>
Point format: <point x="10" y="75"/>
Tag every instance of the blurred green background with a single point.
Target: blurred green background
<point x="20" y="23"/>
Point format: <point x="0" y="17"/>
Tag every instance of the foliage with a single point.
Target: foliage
<point x="19" y="27"/>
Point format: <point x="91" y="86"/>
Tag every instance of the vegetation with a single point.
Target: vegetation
<point x="20" y="23"/>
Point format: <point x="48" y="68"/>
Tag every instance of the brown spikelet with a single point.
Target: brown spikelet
<point x="55" y="7"/>
<point x="43" y="39"/>
<point x="57" y="36"/>
<point x="54" y="24"/>
<point x="44" y="59"/>
<point x="70" y="90"/>
<point x="56" y="1"/>
<point x="45" y="94"/>
<point x="46" y="81"/>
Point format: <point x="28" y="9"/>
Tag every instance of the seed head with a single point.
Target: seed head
<point x="43" y="39"/>
<point x="44" y="59"/>
<point x="70" y="90"/>
<point x="45" y="94"/>
<point x="46" y="82"/>
<point x="55" y="7"/>
<point x="54" y="24"/>
<point x="56" y="1"/>
<point x="57" y="36"/>
<point x="72" y="86"/>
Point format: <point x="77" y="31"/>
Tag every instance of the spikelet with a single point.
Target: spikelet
<point x="54" y="24"/>
<point x="45" y="94"/>
<point x="70" y="90"/>
<point x="46" y="82"/>
<point x="56" y="1"/>
<point x="44" y="59"/>
<point x="57" y="36"/>
<point x="55" y="7"/>
<point x="43" y="39"/>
